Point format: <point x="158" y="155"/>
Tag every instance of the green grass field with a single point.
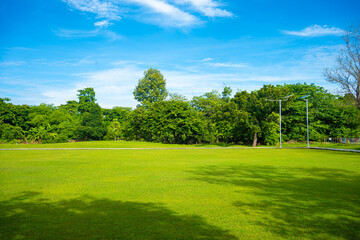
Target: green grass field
<point x="134" y="144"/>
<point x="113" y="144"/>
<point x="180" y="194"/>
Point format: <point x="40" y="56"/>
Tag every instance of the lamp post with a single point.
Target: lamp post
<point x="307" y="117"/>
<point x="280" y="100"/>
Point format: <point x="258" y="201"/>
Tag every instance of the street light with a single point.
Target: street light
<point x="280" y="100"/>
<point x="307" y="117"/>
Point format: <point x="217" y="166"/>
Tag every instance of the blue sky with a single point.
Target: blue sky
<point x="50" y="49"/>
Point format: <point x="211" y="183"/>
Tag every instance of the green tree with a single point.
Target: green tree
<point x="15" y="115"/>
<point x="92" y="125"/>
<point x="114" y="130"/>
<point x="9" y="132"/>
<point x="261" y="120"/>
<point x="86" y="99"/>
<point x="37" y="134"/>
<point x="63" y="124"/>
<point x="324" y="113"/>
<point x="91" y="117"/>
<point x="86" y="95"/>
<point x="169" y="121"/>
<point x="134" y="127"/>
<point x="118" y="113"/>
<point x="151" y="88"/>
<point x="206" y="103"/>
<point x="226" y="93"/>
<point x="72" y="107"/>
<point x="175" y="121"/>
<point x="226" y="118"/>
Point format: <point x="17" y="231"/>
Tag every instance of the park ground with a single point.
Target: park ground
<point x="140" y="144"/>
<point x="180" y="194"/>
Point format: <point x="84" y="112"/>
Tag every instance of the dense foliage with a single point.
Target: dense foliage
<point x="151" y="88"/>
<point x="245" y="118"/>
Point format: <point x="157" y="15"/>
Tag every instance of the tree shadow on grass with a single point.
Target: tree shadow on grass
<point x="310" y="203"/>
<point x="28" y="217"/>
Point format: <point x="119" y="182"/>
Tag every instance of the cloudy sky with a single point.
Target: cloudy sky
<point x="50" y="49"/>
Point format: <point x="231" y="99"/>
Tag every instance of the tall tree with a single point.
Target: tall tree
<point x="92" y="124"/>
<point x="86" y="95"/>
<point x="86" y="99"/>
<point x="226" y="93"/>
<point x="151" y="88"/>
<point x="227" y="118"/>
<point x="262" y="115"/>
<point x="114" y="130"/>
<point x="347" y="72"/>
<point x="206" y="103"/>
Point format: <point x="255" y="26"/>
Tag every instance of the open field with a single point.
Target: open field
<point x="113" y="144"/>
<point x="180" y="194"/>
<point x="134" y="144"/>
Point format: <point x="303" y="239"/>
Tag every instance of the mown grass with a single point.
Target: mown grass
<point x="180" y="194"/>
<point x="136" y="144"/>
<point x="113" y="144"/>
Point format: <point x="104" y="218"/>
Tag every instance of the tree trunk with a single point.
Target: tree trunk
<point x="255" y="140"/>
<point x="175" y="138"/>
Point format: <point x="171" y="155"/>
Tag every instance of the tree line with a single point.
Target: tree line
<point x="214" y="117"/>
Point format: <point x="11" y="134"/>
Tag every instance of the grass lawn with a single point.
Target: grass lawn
<point x="134" y="144"/>
<point x="180" y="194"/>
<point x="113" y="144"/>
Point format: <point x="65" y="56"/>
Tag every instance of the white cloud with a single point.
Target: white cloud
<point x="208" y="62"/>
<point x="316" y="31"/>
<point x="11" y="63"/>
<point x="73" y="33"/>
<point x="159" y="12"/>
<point x="202" y="60"/>
<point x="113" y="87"/>
<point x="228" y="64"/>
<point x="102" y="9"/>
<point x="59" y="96"/>
<point x="207" y="7"/>
<point x="68" y="33"/>
<point x="104" y="23"/>
<point x="86" y="60"/>
<point x="174" y="16"/>
<point x="207" y="59"/>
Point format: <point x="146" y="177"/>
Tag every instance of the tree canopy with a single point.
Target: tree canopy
<point x="246" y="118"/>
<point x="151" y="88"/>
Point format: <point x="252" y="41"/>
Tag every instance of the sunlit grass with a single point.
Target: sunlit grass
<point x="114" y="144"/>
<point x="138" y="144"/>
<point x="180" y="194"/>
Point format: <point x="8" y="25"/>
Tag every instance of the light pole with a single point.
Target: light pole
<point x="280" y="100"/>
<point x="307" y="117"/>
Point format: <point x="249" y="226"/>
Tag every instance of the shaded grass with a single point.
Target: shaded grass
<point x="311" y="203"/>
<point x="180" y="194"/>
<point x="89" y="218"/>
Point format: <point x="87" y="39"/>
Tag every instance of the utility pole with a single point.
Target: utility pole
<point x="307" y="117"/>
<point x="280" y="100"/>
